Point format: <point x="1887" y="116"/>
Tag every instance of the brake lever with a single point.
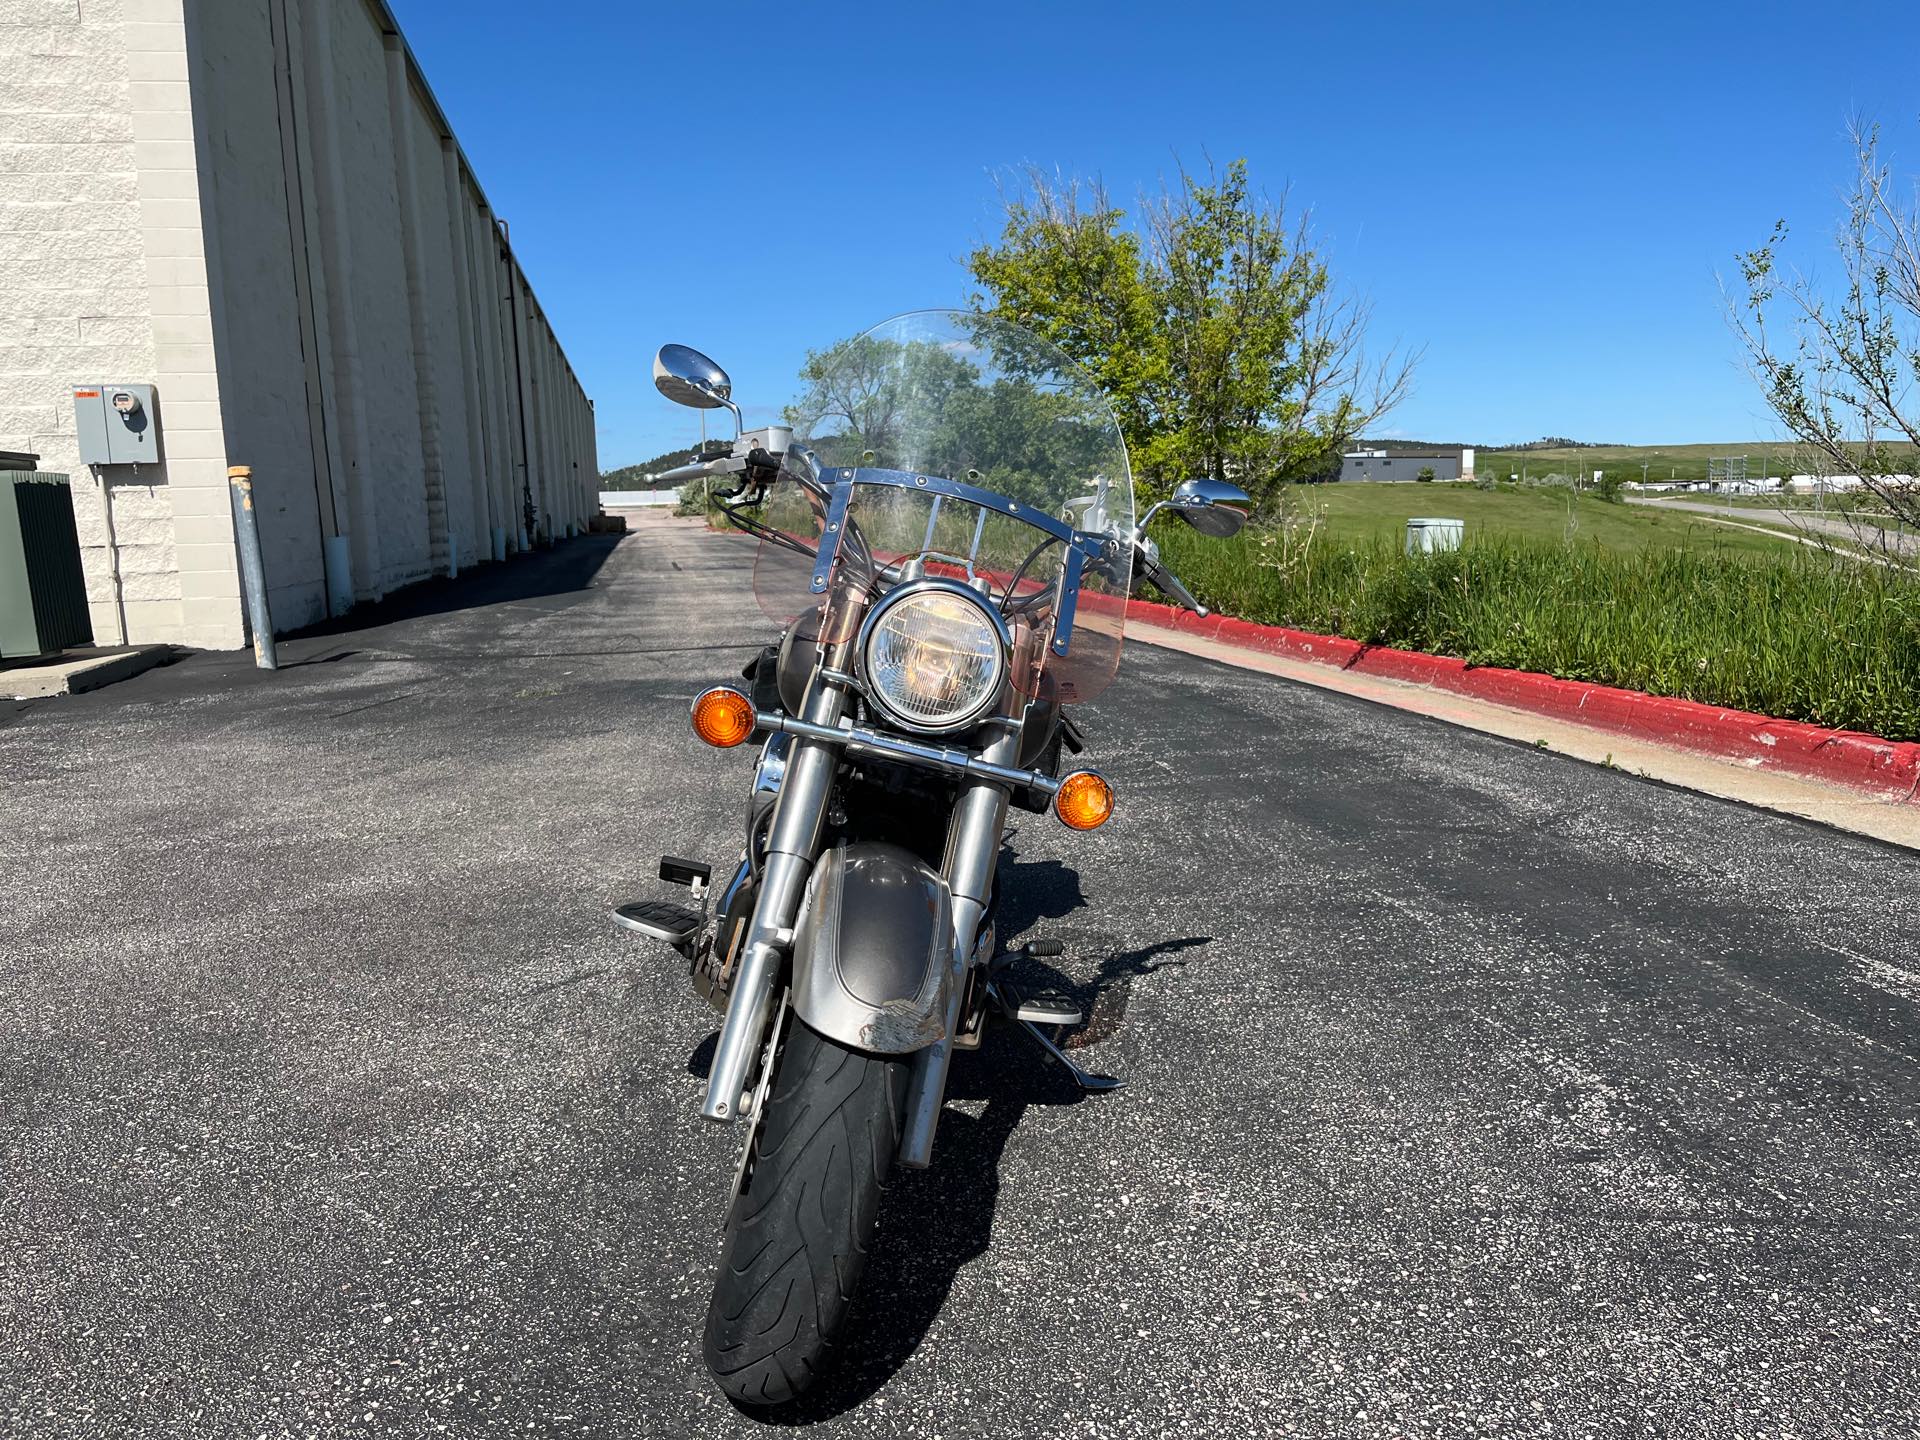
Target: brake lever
<point x="1168" y="584"/>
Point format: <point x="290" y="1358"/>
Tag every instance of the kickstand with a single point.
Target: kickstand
<point x="1085" y="1079"/>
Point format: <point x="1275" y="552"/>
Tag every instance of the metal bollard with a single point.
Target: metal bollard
<point x="253" y="574"/>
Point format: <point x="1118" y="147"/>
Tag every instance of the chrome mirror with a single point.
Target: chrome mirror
<point x="686" y="377"/>
<point x="1212" y="507"/>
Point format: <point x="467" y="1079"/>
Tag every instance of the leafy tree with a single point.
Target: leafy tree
<point x="1211" y="321"/>
<point x="1841" y="372"/>
<point x="870" y="394"/>
<point x="977" y="404"/>
<point x="1426" y="473"/>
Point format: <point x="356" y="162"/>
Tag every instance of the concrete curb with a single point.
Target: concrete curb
<point x="78" y="671"/>
<point x="1838" y="757"/>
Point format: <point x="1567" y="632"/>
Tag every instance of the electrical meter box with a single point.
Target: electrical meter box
<point x="117" y="424"/>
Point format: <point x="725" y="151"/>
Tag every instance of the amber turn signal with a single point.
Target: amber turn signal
<point x="723" y="717"/>
<point x="1084" y="801"/>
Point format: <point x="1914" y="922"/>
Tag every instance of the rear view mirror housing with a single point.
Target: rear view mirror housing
<point x="1212" y="507"/>
<point x="686" y="377"/>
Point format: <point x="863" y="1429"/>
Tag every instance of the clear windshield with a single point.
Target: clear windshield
<point x="961" y="434"/>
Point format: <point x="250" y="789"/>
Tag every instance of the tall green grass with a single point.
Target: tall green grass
<point x="1801" y="636"/>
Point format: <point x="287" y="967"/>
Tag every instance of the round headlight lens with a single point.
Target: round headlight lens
<point x="934" y="659"/>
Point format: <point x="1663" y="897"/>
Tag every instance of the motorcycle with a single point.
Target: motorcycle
<point x="947" y="542"/>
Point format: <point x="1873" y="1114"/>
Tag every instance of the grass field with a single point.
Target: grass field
<point x="1360" y="513"/>
<point x="1662" y="462"/>
<point x="1777" y="629"/>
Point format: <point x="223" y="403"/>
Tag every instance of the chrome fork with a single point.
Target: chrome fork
<point x="973" y="851"/>
<point x="792" y="842"/>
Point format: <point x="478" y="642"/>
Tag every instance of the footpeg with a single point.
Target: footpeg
<point x="1032" y="950"/>
<point x="1043" y="1007"/>
<point x="662" y="920"/>
<point x="1008" y="1004"/>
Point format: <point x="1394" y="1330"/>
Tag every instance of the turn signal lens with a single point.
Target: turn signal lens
<point x="723" y="717"/>
<point x="1084" y="801"/>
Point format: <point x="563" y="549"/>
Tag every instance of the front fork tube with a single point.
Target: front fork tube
<point x="791" y="843"/>
<point x="973" y="853"/>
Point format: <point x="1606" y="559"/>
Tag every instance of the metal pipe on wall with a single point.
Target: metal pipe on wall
<point x="485" y="252"/>
<point x="336" y="554"/>
<point x="331" y="205"/>
<point x="479" y="491"/>
<point x="443" y="556"/>
<point x="529" y="497"/>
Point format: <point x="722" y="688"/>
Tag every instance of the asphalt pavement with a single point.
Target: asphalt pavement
<point x="1472" y="1090"/>
<point x="1804" y="522"/>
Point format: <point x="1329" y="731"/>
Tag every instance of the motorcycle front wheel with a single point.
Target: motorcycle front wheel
<point x="798" y="1233"/>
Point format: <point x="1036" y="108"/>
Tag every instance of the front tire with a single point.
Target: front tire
<point x="797" y="1236"/>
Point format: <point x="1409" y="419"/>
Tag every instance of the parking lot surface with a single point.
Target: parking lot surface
<point x="1472" y="1090"/>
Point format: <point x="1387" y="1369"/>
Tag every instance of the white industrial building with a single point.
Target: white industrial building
<point x="1452" y="462"/>
<point x="256" y="208"/>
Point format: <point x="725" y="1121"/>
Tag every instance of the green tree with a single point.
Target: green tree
<point x="868" y="394"/>
<point x="1067" y="269"/>
<point x="1210" y="319"/>
<point x="1841" y="370"/>
<point x="1426" y="473"/>
<point x="978" y="403"/>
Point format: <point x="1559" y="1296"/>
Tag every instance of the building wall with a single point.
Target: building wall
<point x="244" y="201"/>
<point x="103" y="278"/>
<point x="1400" y="467"/>
<point x="256" y="205"/>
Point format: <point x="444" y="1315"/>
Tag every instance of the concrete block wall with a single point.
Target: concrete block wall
<point x="257" y="205"/>
<point x="103" y="278"/>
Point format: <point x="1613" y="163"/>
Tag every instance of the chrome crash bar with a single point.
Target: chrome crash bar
<point x="858" y="740"/>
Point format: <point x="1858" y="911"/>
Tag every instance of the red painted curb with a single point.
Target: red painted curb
<point x="1840" y="757"/>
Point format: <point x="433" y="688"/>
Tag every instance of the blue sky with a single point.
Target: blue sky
<point x="1539" y="194"/>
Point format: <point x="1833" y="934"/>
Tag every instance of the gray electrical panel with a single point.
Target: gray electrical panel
<point x="117" y="424"/>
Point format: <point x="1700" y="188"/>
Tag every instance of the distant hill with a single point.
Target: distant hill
<point x="633" y="477"/>
<point x="1634" y="462"/>
<point x="1545" y="442"/>
<point x="1396" y="447"/>
<point x="1555" y="442"/>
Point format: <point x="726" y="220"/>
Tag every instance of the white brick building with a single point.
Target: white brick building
<point x="257" y="207"/>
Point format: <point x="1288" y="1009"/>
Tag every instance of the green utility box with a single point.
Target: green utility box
<point x="43" y="591"/>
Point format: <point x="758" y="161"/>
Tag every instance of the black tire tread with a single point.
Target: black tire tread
<point x="798" y="1236"/>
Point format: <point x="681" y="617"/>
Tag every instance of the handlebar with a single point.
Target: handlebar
<point x="714" y="466"/>
<point x="680" y="474"/>
<point x="703" y="469"/>
<point x="1170" y="583"/>
<point x="1167" y="583"/>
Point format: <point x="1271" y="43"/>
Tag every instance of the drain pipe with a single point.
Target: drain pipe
<point x="113" y="553"/>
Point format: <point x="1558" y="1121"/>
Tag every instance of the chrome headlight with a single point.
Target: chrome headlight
<point x="933" y="654"/>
